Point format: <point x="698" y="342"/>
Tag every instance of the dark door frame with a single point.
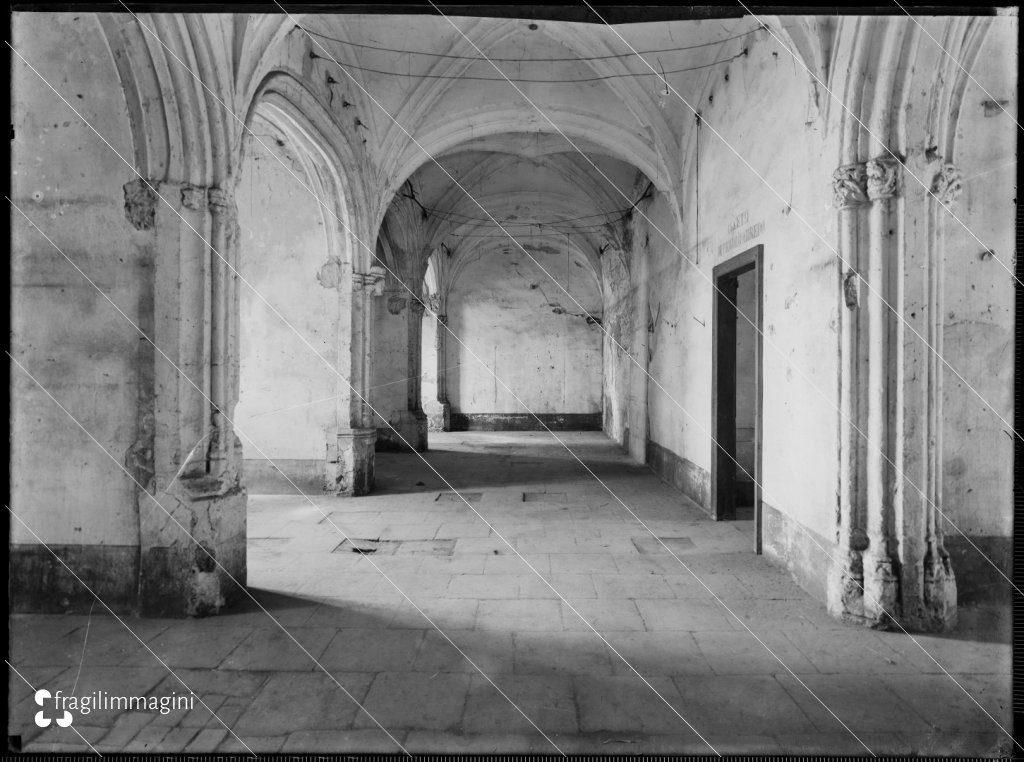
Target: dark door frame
<point x="723" y="385"/>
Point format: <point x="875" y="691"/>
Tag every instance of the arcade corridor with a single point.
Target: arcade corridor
<point x="755" y="267"/>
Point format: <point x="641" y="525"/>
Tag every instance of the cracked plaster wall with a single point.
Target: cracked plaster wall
<point x="978" y="301"/>
<point x="283" y="253"/>
<point x="62" y="329"/>
<point x="524" y="327"/>
<point x="729" y="204"/>
<point x="728" y="209"/>
<point x="428" y="388"/>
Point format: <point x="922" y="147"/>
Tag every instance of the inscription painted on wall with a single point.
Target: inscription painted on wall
<point x="741" y="219"/>
<point x="740" y="232"/>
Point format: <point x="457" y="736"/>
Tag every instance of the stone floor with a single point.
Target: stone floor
<point x="361" y="641"/>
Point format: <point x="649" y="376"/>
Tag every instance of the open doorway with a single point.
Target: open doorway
<point x="736" y="401"/>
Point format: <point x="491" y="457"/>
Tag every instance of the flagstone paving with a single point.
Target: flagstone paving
<point x="484" y="656"/>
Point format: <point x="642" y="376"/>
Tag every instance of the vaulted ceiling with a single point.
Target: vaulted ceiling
<point x="580" y="133"/>
<point x="433" y="84"/>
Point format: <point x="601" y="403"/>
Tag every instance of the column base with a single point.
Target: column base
<point x="939" y="612"/>
<point x="877" y="604"/>
<point x="437" y="414"/>
<point x="412" y="428"/>
<point x="845" y="589"/>
<point x="182" y="576"/>
<point x="350" y="472"/>
<point x="881" y="591"/>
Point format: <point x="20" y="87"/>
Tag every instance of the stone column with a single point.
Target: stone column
<point x="225" y="449"/>
<point x="351" y="464"/>
<point x="415" y="374"/>
<point x="891" y="559"/>
<point x="846" y="583"/>
<point x="940" y="591"/>
<point x="880" y="582"/>
<point x="397" y="352"/>
<point x="196" y="457"/>
<point x="928" y="592"/>
<point x="442" y="372"/>
<point x="890" y="392"/>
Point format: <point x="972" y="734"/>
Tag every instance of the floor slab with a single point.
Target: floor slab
<point x="372" y="653"/>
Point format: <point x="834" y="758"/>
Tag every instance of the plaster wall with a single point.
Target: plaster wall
<point x="62" y="329"/>
<point x="978" y="299"/>
<point x="428" y="371"/>
<point x="728" y="209"/>
<point x="287" y="403"/>
<point x="537" y="341"/>
<point x="631" y="320"/>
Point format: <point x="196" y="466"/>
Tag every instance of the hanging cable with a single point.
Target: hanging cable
<point x="465" y="218"/>
<point x="580" y="80"/>
<point x="485" y="222"/>
<point x="569" y="59"/>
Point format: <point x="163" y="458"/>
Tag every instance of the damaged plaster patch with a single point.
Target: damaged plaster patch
<point x="558" y="309"/>
<point x="138" y="458"/>
<point x="544" y="248"/>
<point x="139" y="204"/>
<point x="330" y="273"/>
<point x="851" y="289"/>
<point x="204" y="597"/>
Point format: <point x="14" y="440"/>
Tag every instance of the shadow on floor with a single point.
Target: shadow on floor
<point x="401" y="473"/>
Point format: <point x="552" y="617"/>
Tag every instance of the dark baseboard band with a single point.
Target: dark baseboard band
<point x="525" y="421"/>
<point x="38" y="583"/>
<point x="976" y="580"/>
<point x="790" y="546"/>
<point x="685" y="475"/>
<point x="263" y="477"/>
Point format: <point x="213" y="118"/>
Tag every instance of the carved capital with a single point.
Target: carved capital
<point x="849" y="186"/>
<point x="220" y="200"/>
<point x="396" y="304"/>
<point x="194" y="197"/>
<point x="140" y="204"/>
<point x="883" y="178"/>
<point x="948" y="183"/>
<point x="416" y="306"/>
<point x="371" y="282"/>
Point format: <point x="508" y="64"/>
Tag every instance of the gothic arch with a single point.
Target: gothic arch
<point x="339" y="180"/>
